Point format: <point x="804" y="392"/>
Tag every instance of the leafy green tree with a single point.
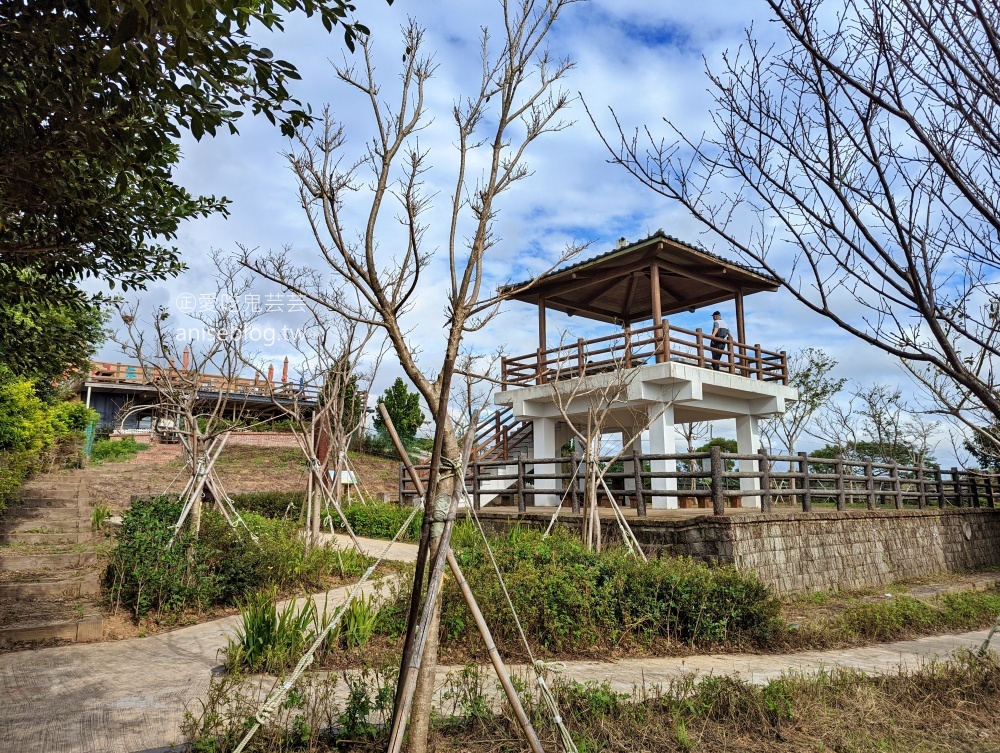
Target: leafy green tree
<point x="983" y="447"/>
<point x="403" y="407"/>
<point x="94" y="94"/>
<point x="809" y="373"/>
<point x="43" y="338"/>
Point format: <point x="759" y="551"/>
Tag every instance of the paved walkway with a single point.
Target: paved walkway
<point x="127" y="696"/>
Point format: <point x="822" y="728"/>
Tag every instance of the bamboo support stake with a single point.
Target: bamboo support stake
<point x="470" y="600"/>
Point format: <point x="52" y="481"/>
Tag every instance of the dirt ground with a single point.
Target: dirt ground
<point x="240" y="469"/>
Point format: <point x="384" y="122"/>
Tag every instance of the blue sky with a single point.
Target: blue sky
<point x="644" y="59"/>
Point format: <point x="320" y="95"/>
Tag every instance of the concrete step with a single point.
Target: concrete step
<point x="45" y="525"/>
<point x="68" y="537"/>
<point x="58" y="585"/>
<point x="57" y="561"/>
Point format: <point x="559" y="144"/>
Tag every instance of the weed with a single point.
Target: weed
<point x="99" y="515"/>
<point x="270" y="639"/>
<point x="116" y="450"/>
<point x="358" y="622"/>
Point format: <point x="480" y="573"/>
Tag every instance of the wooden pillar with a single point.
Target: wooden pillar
<point x="542" y="347"/>
<point x="640" y="499"/>
<point x="804" y="480"/>
<point x="741" y="330"/>
<point x="718" y="488"/>
<point x="741" y="334"/>
<point x="765" y="481"/>
<point x="654" y="292"/>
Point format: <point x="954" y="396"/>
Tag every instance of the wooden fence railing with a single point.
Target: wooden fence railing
<point x="710" y="479"/>
<point x="636" y="347"/>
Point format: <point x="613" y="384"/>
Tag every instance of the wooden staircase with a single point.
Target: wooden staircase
<point x="502" y="437"/>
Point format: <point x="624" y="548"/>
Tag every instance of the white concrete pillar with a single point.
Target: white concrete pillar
<point x="747" y="443"/>
<point x="627" y="450"/>
<point x="545" y="446"/>
<point x="662" y="441"/>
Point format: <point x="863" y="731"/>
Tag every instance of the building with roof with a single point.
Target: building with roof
<point x="651" y="374"/>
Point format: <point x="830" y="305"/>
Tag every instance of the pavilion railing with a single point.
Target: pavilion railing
<point x="119" y="373"/>
<point x="712" y="480"/>
<point x="638" y="347"/>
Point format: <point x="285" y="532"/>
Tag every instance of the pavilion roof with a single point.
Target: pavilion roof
<point x="615" y="286"/>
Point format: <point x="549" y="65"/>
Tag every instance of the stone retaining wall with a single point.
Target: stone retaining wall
<point x="797" y="552"/>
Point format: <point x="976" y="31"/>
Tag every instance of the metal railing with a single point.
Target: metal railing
<point x="713" y="479"/>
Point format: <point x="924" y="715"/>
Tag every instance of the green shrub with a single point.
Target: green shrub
<point x="380" y="520"/>
<point x="34" y="434"/>
<point x="116" y="450"/>
<point x="222" y="567"/>
<point x="270" y="504"/>
<point x="572" y="600"/>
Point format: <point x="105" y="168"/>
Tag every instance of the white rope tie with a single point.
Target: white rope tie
<point x="277" y="695"/>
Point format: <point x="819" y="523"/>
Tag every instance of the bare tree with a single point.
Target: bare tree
<point x="857" y="162"/>
<point x="877" y="424"/>
<point x="197" y="381"/>
<point x="338" y="360"/>
<point x="518" y="100"/>
<point x="593" y="406"/>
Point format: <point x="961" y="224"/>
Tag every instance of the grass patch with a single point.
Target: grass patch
<point x="577" y="603"/>
<point x="839" y="711"/>
<point x="107" y="450"/>
<point x="381" y="520"/>
<point x="270" y="504"/>
<point x="846" y="620"/>
<point x="220" y="568"/>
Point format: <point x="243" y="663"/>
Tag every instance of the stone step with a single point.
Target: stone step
<point x="45" y="513"/>
<point x="57" y="561"/>
<point x="45" y="525"/>
<point x="81" y="626"/>
<point x="58" y="586"/>
<point x="69" y="537"/>
<point x="49" y="493"/>
<point x="49" y="502"/>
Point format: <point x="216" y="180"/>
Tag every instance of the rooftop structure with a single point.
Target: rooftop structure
<point x="669" y="374"/>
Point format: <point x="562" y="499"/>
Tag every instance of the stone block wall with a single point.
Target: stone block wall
<point x="796" y="552"/>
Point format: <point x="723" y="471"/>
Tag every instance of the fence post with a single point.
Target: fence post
<point x="765" y="479"/>
<point x="503" y="373"/>
<point x="402" y="485"/>
<point x="574" y="483"/>
<point x="718" y="493"/>
<point x="841" y="497"/>
<point x="475" y="485"/>
<point x="640" y="496"/>
<point x="897" y="490"/>
<point x="806" y="491"/>
<point x="989" y="491"/>
<point x="699" y="340"/>
<point x="581" y="357"/>
<point x="974" y="490"/>
<point x="758" y="362"/>
<point x="956" y="487"/>
<point x="521" y="506"/>
<point x="665" y="340"/>
<point x="921" y="490"/>
<point x="939" y="483"/>
<point x="870" y="485"/>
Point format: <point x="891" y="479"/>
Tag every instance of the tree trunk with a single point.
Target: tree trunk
<point x="420" y="714"/>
